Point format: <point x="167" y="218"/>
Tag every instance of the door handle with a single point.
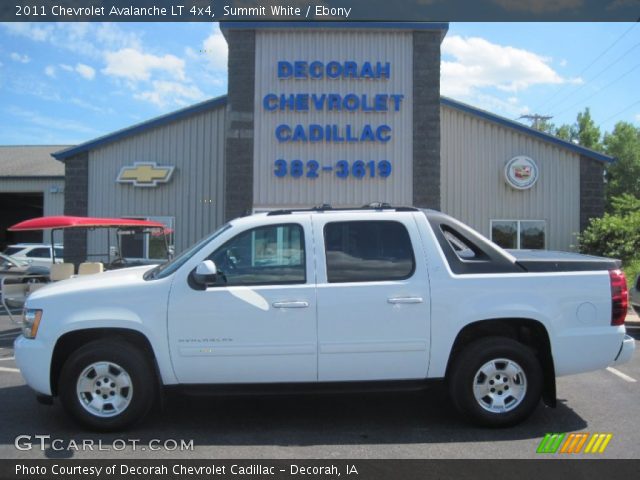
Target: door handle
<point x="402" y="300"/>
<point x="294" y="304"/>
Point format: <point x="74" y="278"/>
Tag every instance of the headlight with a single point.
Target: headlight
<point x="30" y="322"/>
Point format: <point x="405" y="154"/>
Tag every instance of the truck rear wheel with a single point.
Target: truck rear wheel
<point x="107" y="385"/>
<point x="496" y="382"/>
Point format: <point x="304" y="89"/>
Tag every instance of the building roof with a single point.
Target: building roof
<point x="442" y="27"/>
<point x="505" y="122"/>
<point x="222" y="101"/>
<point x="141" y="127"/>
<point x="248" y="25"/>
<point x="25" y="161"/>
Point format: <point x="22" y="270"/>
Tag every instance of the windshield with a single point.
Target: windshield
<point x="166" y="269"/>
<point x="12" y="250"/>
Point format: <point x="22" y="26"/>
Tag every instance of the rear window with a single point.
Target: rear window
<point x="368" y="251"/>
<point x="463" y="249"/>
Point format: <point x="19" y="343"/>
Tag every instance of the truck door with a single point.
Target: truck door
<point x="373" y="298"/>
<point x="257" y="323"/>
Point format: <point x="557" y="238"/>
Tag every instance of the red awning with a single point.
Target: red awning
<point x="63" y="221"/>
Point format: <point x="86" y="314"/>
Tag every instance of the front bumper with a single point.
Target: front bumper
<point x="33" y="358"/>
<point x="626" y="350"/>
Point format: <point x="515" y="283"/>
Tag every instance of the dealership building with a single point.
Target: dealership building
<point x="340" y="114"/>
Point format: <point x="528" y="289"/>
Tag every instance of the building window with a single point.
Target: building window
<point x="365" y="251"/>
<point x="519" y="234"/>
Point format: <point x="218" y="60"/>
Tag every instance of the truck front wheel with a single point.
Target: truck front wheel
<point x="496" y="382"/>
<point x="107" y="385"/>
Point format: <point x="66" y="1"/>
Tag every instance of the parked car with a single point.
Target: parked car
<point x="634" y="295"/>
<point x="36" y="254"/>
<point x="324" y="299"/>
<point x="15" y="271"/>
<point x="11" y="267"/>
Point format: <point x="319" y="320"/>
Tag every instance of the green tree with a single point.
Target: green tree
<point x="623" y="176"/>
<point x="587" y="132"/>
<point x="566" y="132"/>
<point x="545" y="126"/>
<point x="617" y="233"/>
<point x="584" y="131"/>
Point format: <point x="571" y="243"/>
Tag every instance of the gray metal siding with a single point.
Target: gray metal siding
<point x="474" y="152"/>
<point x="53" y="202"/>
<point x="327" y="45"/>
<point x="194" y="195"/>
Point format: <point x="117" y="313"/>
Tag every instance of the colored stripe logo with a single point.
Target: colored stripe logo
<point x="574" y="443"/>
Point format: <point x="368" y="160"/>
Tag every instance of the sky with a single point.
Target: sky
<point x="68" y="83"/>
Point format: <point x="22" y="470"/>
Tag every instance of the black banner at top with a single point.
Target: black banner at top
<point x="318" y="10"/>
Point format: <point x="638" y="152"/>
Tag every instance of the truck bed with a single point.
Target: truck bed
<point x="553" y="261"/>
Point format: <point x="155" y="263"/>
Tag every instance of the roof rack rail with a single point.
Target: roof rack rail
<point x="326" y="207"/>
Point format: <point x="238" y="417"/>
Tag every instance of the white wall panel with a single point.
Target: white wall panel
<point x="474" y="152"/>
<point x="333" y="45"/>
<point x="194" y="195"/>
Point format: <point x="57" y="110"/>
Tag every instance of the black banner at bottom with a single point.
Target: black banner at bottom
<point x="330" y="469"/>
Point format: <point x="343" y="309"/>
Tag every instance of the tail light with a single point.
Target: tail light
<point x="619" y="297"/>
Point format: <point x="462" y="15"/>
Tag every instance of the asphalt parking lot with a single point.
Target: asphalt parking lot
<point x="393" y="425"/>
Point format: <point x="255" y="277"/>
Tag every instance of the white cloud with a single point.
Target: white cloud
<point x="510" y="108"/>
<point x="17" y="57"/>
<point x="539" y="6"/>
<point x="56" y="123"/>
<point x="159" y="77"/>
<point x="638" y="117"/>
<point x="215" y="50"/>
<point x="478" y="63"/>
<point x="85" y="71"/>
<point x="32" y="31"/>
<point x="90" y="106"/>
<point x="165" y="92"/>
<point x="90" y="39"/>
<point x="31" y="84"/>
<point x="563" y="62"/>
<point x="134" y="65"/>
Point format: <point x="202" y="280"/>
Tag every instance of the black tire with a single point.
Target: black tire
<point x="136" y="365"/>
<point x="463" y="376"/>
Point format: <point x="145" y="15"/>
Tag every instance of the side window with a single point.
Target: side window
<point x="59" y="252"/>
<point x="368" y="251"/>
<point x="39" y="253"/>
<point x="262" y="256"/>
<point x="461" y="249"/>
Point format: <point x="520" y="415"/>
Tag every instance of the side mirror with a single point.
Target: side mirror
<point x="205" y="273"/>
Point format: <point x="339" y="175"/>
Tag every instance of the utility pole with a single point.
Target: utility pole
<point x="536" y="119"/>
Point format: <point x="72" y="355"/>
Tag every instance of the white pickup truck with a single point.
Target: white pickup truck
<point x="328" y="299"/>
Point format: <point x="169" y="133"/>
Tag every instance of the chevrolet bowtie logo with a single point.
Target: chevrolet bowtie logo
<point x="145" y="174"/>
